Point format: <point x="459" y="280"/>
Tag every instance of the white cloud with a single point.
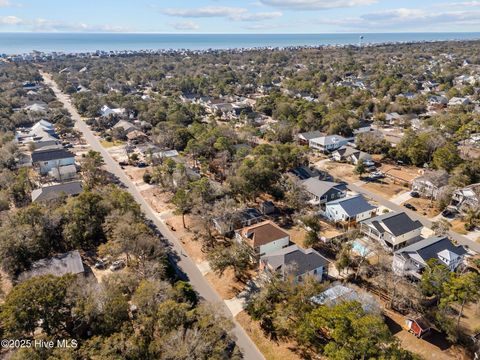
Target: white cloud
<point x="208" y="11"/>
<point x="60" y="26"/>
<point x="258" y="16"/>
<point x="185" y="25"/>
<point x="5" y="3"/>
<point x="410" y="19"/>
<point x="316" y="4"/>
<point x="232" y="13"/>
<point x="10" y="20"/>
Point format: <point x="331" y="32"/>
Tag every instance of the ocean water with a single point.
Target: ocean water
<point x="19" y="43"/>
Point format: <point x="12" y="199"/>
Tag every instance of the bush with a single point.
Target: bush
<point x="147" y="177"/>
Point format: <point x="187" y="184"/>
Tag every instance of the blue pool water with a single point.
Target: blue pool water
<point x="359" y="248"/>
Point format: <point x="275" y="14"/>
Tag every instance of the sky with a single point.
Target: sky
<point x="233" y="16"/>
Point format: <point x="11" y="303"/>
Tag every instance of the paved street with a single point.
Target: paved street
<point x="184" y="263"/>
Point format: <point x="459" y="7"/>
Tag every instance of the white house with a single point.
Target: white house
<point x="456" y="101"/>
<point x="350" y="209"/>
<point x="48" y="159"/>
<point x="105" y="111"/>
<point x="265" y="237"/>
<point x="327" y="143"/>
<point x="411" y="260"/>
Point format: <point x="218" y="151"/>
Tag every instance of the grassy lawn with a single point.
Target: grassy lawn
<point x="109" y="144"/>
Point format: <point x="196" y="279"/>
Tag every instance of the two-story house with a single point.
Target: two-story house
<point x="265" y="237"/>
<point x="350" y="210"/>
<point x="295" y="261"/>
<point x="466" y="198"/>
<point x="47" y="159"/>
<point x="352" y="155"/>
<point x="324" y="191"/>
<point x="393" y="230"/>
<point x="328" y="143"/>
<point x="431" y="183"/>
<point x="412" y="259"/>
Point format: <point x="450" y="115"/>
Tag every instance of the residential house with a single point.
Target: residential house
<point x="137" y="136"/>
<point x="328" y="143"/>
<point x="437" y="100"/>
<point x="466" y="198"/>
<point x="106" y="111"/>
<point x="350" y="210"/>
<point x="412" y="259"/>
<point x="305" y="137"/>
<point x="393" y="118"/>
<point x="393" y="230"/>
<point x="246" y="217"/>
<point x="352" y="155"/>
<point x="48" y="159"/>
<point x="431" y="183"/>
<point x="38" y="107"/>
<point x="265" y="237"/>
<point x="324" y="191"/>
<point x="295" y="261"/>
<point x="53" y="192"/>
<point x="364" y="126"/>
<point x="305" y="172"/>
<point x="63" y="173"/>
<point x="42" y="133"/>
<point x="68" y="263"/>
<point x="457" y="101"/>
<point x="125" y="125"/>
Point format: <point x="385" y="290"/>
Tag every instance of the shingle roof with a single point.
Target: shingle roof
<point x="430" y="248"/>
<point x="319" y="188"/>
<point x="353" y="205"/>
<point x="263" y="233"/>
<point x="52" y="192"/>
<point x="295" y="260"/>
<point x="55" y="154"/>
<point x="304" y="172"/>
<point x="395" y="223"/>
<point x="310" y="135"/>
<point x="68" y="263"/>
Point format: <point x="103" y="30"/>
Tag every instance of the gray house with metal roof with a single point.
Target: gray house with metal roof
<point x="393" y="230"/>
<point x="295" y="261"/>
<point x="411" y="260"/>
<point x="53" y="192"/>
<point x="351" y="209"/>
<point x="68" y="263"/>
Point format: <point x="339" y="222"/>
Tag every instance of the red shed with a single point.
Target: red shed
<point x="418" y="326"/>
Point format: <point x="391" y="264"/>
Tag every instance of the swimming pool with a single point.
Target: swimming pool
<point x="360" y="248"/>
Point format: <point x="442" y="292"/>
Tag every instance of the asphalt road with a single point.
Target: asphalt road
<point x="184" y="263"/>
<point x="413" y="214"/>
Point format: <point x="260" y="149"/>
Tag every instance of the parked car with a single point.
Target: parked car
<point x="100" y="264"/>
<point x="414" y="194"/>
<point x="141" y="165"/>
<point x="447" y="213"/>
<point x="410" y="206"/>
<point x="117" y="265"/>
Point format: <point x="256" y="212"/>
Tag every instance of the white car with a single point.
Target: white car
<point x="117" y="265"/>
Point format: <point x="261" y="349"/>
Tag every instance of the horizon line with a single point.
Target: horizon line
<point x="225" y="33"/>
